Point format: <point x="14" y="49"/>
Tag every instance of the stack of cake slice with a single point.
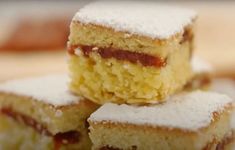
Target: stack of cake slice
<point x="135" y="59"/>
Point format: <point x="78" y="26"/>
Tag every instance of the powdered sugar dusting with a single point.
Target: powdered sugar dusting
<point x="143" y="18"/>
<point x="224" y="86"/>
<point x="189" y="111"/>
<point x="50" y="89"/>
<point x="199" y="65"/>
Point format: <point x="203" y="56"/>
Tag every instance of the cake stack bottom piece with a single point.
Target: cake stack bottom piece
<point x="189" y="121"/>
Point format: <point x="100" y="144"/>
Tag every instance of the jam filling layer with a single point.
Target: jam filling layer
<point x="70" y="137"/>
<point x="111" y="148"/>
<point x="109" y="52"/>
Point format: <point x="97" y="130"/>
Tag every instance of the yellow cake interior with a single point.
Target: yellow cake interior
<point x="103" y="80"/>
<point x="121" y="81"/>
<point x="17" y="136"/>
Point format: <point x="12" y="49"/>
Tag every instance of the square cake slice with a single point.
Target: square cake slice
<point x="40" y="113"/>
<point x="188" y="121"/>
<point x="130" y="52"/>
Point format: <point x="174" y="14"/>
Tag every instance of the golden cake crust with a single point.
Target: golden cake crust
<point x="55" y="119"/>
<point x="212" y="135"/>
<point x="86" y="34"/>
<point x="195" y="120"/>
<point x="216" y="117"/>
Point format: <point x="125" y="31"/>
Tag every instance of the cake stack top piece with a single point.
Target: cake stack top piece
<point x="149" y="19"/>
<point x="113" y="46"/>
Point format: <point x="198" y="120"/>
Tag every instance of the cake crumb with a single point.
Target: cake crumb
<point x="58" y="113"/>
<point x="78" y="52"/>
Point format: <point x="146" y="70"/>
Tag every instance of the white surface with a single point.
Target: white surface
<point x="143" y="18"/>
<point x="50" y="89"/>
<point x="199" y="65"/>
<point x="190" y="111"/>
<point x="224" y="86"/>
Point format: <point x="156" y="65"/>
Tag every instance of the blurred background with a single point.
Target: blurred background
<point x="33" y="36"/>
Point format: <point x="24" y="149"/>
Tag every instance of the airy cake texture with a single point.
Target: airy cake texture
<point x="225" y="86"/>
<point x="111" y="54"/>
<point x="41" y="110"/>
<point x="196" y="121"/>
<point x="17" y="136"/>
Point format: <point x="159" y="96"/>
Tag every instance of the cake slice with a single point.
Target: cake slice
<point x="188" y="121"/>
<point x="224" y="86"/>
<point x="40" y="113"/>
<point x="130" y="52"/>
<point x="202" y="75"/>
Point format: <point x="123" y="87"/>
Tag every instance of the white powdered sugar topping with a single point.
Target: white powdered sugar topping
<point x="78" y="52"/>
<point x="199" y="65"/>
<point x="188" y="111"/>
<point x="224" y="86"/>
<point x="51" y="89"/>
<point x="149" y="19"/>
